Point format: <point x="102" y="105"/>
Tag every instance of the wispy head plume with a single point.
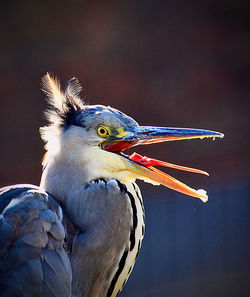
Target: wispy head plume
<point x="63" y="105"/>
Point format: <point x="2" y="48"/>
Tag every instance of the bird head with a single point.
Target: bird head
<point x="94" y="138"/>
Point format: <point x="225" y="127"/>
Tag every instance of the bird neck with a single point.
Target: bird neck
<point x="66" y="169"/>
<point x="60" y="177"/>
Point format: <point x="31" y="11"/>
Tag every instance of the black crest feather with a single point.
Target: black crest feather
<point x="62" y="105"/>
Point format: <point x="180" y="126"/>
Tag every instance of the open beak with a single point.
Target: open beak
<point x="144" y="168"/>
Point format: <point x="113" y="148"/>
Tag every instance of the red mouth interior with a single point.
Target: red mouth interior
<point x="119" y="147"/>
<point x="148" y="162"/>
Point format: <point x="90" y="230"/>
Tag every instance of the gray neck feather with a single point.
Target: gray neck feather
<point x="61" y="178"/>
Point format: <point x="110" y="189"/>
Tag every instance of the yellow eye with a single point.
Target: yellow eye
<point x="102" y="131"/>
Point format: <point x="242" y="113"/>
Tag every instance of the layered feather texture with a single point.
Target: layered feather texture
<point x="63" y="105"/>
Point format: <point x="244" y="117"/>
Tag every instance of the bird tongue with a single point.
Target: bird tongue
<point x="167" y="180"/>
<point x="148" y="162"/>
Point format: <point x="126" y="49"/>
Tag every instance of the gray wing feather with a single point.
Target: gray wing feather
<point x="103" y="217"/>
<point x="33" y="261"/>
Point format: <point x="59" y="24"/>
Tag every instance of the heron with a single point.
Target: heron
<point x="79" y="232"/>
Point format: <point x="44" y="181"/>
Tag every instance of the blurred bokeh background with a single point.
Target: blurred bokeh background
<point x="165" y="63"/>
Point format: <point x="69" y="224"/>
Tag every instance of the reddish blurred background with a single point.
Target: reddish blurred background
<point x="165" y="63"/>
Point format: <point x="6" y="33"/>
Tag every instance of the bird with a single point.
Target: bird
<point x="79" y="232"/>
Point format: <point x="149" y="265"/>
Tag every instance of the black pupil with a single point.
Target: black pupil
<point x="102" y="131"/>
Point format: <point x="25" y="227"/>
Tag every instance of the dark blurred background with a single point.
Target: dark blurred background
<point x="165" y="63"/>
